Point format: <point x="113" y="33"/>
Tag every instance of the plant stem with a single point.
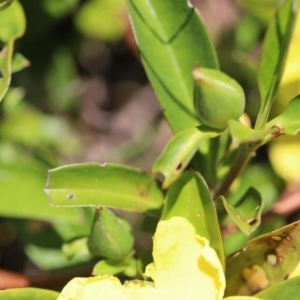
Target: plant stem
<point x="246" y="152"/>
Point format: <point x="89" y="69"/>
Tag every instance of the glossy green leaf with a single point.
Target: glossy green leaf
<point x="264" y="261"/>
<point x="246" y="214"/>
<point x="12" y="26"/>
<point x="178" y="42"/>
<point x="178" y="153"/>
<point x="275" y="48"/>
<point x="28" y="294"/>
<point x="111" y="185"/>
<point x="111" y="235"/>
<point x="289" y="289"/>
<point x="190" y="198"/>
<point x="288" y="122"/>
<point x="244" y="134"/>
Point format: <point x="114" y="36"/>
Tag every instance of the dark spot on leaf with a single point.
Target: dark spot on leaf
<point x="70" y="196"/>
<point x="179" y="166"/>
<point x="252" y="222"/>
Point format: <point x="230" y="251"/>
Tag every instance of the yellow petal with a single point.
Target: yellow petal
<point x="290" y="83"/>
<point x="185" y="266"/>
<point x="285" y="158"/>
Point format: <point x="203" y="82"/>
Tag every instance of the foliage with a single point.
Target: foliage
<point x="209" y="186"/>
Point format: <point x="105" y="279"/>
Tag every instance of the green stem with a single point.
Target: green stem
<point x="245" y="154"/>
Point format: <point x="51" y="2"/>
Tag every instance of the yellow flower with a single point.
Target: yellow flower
<point x="184" y="267"/>
<point x="284" y="151"/>
<point x="290" y="83"/>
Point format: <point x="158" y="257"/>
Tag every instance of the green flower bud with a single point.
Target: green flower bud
<point x="5" y="3"/>
<point x="110" y="236"/>
<point x="217" y="98"/>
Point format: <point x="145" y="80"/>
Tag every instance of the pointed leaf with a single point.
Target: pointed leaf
<point x="246" y="214"/>
<point x="178" y="42"/>
<point x="19" y="62"/>
<point x="178" y="153"/>
<point x="265" y="261"/>
<point x="244" y="134"/>
<point x="273" y="57"/>
<point x="190" y="198"/>
<point x="111" y="185"/>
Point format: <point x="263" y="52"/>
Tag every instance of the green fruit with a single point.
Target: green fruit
<point x="217" y="98"/>
<point x="111" y="236"/>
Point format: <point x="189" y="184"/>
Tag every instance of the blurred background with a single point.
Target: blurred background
<point x="85" y="97"/>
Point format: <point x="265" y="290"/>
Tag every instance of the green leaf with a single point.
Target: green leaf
<point x="28" y="294"/>
<point x="289" y="289"/>
<point x="111" y="185"/>
<point x="244" y="134"/>
<point x="19" y="62"/>
<point x="178" y="42"/>
<point x="42" y="246"/>
<point x="76" y="247"/>
<point x="12" y="26"/>
<point x="130" y="267"/>
<point x="21" y="190"/>
<point x="264" y="261"/>
<point x="246" y="214"/>
<point x="178" y="153"/>
<point x="12" y="22"/>
<point x="275" y="48"/>
<point x="189" y="197"/>
<point x="288" y="122"/>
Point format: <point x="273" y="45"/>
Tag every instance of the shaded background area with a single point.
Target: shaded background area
<point x="85" y="97"/>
